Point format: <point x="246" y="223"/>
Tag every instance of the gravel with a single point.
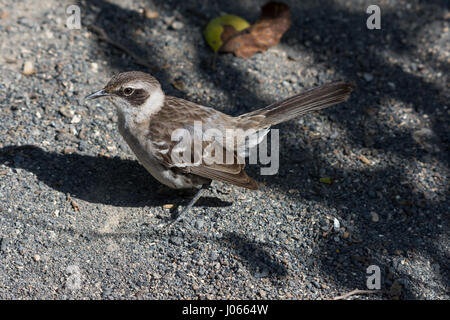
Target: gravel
<point x="79" y="216"/>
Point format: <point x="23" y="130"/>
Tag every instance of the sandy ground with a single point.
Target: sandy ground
<point x="78" y="214"/>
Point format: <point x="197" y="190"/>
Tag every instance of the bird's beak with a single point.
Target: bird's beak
<point x="98" y="94"/>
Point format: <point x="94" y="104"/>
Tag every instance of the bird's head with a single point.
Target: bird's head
<point x="134" y="93"/>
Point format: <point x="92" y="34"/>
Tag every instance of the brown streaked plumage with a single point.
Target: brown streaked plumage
<point x="148" y="118"/>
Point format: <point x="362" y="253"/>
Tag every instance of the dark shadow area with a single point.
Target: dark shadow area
<point x="254" y="256"/>
<point x="110" y="181"/>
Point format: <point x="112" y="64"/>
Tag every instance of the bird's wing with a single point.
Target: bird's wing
<point x="240" y="179"/>
<point x="189" y="137"/>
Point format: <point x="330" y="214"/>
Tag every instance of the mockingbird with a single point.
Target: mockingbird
<point x="147" y="120"/>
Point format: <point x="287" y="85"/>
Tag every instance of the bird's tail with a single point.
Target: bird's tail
<point x="298" y="105"/>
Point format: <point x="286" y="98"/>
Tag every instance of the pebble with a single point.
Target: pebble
<point x="3" y="244"/>
<point x="150" y="14"/>
<point x="156" y="276"/>
<point x="106" y="292"/>
<point x="363" y="159"/>
<point x="4" y="14"/>
<point x="177" y="25"/>
<point x="66" y="111"/>
<point x="316" y="284"/>
<point x="28" y="68"/>
<point x="293" y="79"/>
<point x="374" y="216"/>
<point x="368" y="77"/>
<point x="168" y="20"/>
<point x="76" y="119"/>
<point x="213" y="256"/>
<point x="94" y="67"/>
<point x="83" y="146"/>
<point x="176" y="241"/>
<point x="262" y="294"/>
<point x="35" y="132"/>
<point x="199" y="223"/>
<point x="64" y="136"/>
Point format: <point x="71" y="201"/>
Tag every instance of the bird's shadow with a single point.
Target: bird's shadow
<point x="110" y="181"/>
<point x="119" y="182"/>
<point x="257" y="258"/>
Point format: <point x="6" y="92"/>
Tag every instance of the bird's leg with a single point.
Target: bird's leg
<point x="190" y="204"/>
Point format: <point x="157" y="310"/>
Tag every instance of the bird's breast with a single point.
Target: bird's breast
<point x="138" y="139"/>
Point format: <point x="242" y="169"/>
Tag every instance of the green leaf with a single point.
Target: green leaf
<point x="213" y="32"/>
<point x="326" y="180"/>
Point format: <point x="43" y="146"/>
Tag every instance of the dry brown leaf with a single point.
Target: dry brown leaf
<point x="265" y="33"/>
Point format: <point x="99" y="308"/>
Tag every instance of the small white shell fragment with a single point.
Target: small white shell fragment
<point x="336" y="224"/>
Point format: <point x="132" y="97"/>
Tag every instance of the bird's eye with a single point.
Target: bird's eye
<point x="128" y="91"/>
